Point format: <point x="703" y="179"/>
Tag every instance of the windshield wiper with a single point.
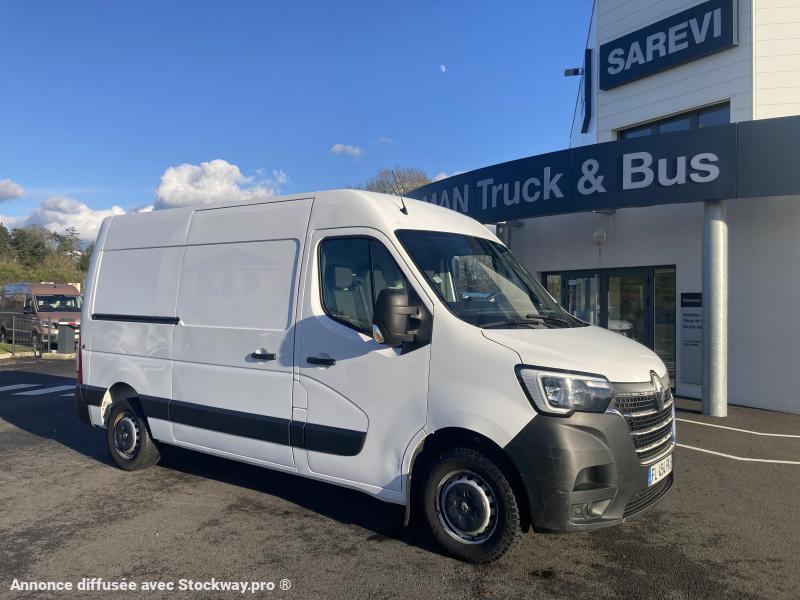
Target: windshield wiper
<point x="551" y="318"/>
<point x="512" y="323"/>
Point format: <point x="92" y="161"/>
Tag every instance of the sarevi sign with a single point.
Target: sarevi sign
<point x="699" y="31"/>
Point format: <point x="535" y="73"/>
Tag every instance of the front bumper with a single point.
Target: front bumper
<point x="582" y="472"/>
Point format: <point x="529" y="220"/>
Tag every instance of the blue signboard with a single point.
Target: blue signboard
<point x="756" y="158"/>
<point x="699" y="31"/>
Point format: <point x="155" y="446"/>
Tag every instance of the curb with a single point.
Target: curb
<point x="9" y="356"/>
<point x="56" y="356"/>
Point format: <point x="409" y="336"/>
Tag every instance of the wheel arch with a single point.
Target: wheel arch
<point x="118" y="392"/>
<point x="457" y="437"/>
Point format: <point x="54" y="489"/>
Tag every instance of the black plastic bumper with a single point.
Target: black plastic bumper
<point x="571" y="466"/>
<point x="85" y="396"/>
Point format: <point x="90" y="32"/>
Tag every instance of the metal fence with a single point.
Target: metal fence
<point x="21" y="333"/>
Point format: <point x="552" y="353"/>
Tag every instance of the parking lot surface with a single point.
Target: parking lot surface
<point x="729" y="528"/>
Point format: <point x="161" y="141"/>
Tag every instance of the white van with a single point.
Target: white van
<point x="378" y="343"/>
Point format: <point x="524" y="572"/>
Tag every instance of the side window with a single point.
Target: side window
<point x="346" y="281"/>
<point x="354" y="271"/>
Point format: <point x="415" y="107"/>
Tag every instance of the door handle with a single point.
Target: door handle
<point x="262" y="355"/>
<point x="317" y="360"/>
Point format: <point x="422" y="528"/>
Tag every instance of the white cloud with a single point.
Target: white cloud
<point x="58" y="213"/>
<point x="10" y="190"/>
<point x="353" y="151"/>
<point x="212" y="182"/>
<point x="384" y="141"/>
<point x="442" y="175"/>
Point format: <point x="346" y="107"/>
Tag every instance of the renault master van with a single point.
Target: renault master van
<point x="378" y="343"/>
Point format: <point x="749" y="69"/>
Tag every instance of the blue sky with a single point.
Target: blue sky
<point x="99" y="100"/>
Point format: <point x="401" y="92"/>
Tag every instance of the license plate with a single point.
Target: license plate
<point x="659" y="470"/>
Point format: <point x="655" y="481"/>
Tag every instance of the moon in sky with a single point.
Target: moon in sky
<point x="443" y="68"/>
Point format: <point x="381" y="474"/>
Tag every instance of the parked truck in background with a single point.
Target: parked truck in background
<point x="41" y="308"/>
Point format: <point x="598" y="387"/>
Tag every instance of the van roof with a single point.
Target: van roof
<point x="331" y="209"/>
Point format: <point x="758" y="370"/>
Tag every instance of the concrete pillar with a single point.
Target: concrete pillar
<point x="715" y="310"/>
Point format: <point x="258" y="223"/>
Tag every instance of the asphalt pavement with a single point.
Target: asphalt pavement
<point x="729" y="528"/>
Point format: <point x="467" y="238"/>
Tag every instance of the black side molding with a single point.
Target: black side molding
<point x="333" y="440"/>
<point x="155" y="408"/>
<point x="310" y="436"/>
<point x="136" y="319"/>
<point x="233" y="422"/>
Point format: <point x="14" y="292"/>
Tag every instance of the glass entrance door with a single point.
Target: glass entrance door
<point x="638" y="303"/>
<point x="627" y="302"/>
<point x="583" y="298"/>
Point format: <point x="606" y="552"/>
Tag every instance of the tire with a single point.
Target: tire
<point x="128" y="440"/>
<point x="470" y="506"/>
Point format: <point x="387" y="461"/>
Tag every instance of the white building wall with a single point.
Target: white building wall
<point x="726" y="75"/>
<point x="764" y="302"/>
<point x="776" y="58"/>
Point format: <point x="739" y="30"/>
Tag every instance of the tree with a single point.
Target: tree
<point x="86" y="256"/>
<point x="31" y="244"/>
<point x="400" y="180"/>
<point x="33" y="253"/>
<point x="5" y="242"/>
<point x="68" y="244"/>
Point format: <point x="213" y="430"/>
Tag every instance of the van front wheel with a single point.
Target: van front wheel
<point x="129" y="442"/>
<point x="470" y="507"/>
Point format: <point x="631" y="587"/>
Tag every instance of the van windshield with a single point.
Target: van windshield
<point x="58" y="303"/>
<point x="482" y="282"/>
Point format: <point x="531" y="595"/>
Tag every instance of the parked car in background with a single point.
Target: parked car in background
<point x="47" y="306"/>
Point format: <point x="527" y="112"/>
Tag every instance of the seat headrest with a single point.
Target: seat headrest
<point x="339" y="277"/>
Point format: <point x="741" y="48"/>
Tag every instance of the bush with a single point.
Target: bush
<point x="58" y="269"/>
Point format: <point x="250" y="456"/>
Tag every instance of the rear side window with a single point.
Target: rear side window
<point x="353" y="272"/>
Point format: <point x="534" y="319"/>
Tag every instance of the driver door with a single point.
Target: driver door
<point x="363" y="401"/>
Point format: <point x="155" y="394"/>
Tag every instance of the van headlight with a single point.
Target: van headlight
<point x="557" y="393"/>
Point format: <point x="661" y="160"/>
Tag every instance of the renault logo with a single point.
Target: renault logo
<point x="658" y="390"/>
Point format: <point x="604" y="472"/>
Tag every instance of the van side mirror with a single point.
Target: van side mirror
<point x="28" y="310"/>
<point x="396" y="321"/>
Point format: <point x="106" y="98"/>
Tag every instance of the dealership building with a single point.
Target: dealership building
<point x="674" y="216"/>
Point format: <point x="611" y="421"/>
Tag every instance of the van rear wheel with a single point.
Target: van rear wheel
<point x="470" y="506"/>
<point x="129" y="442"/>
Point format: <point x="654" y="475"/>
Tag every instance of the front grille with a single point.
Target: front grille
<point x="644" y="499"/>
<point x="650" y="427"/>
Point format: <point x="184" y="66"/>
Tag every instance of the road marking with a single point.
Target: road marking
<point x="52" y="390"/>
<point x="17" y="386"/>
<point x="742" y="458"/>
<point x="785" y="435"/>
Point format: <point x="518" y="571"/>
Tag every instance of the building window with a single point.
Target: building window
<point x="716" y="115"/>
<point x="719" y="114"/>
